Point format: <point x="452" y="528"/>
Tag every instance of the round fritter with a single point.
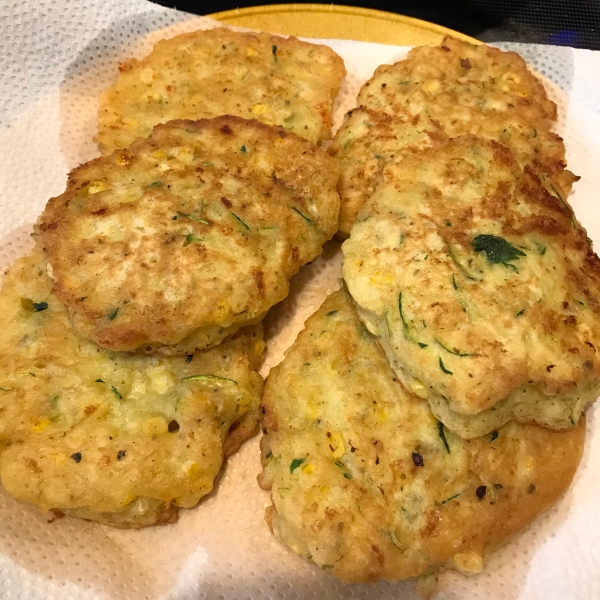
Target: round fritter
<point x="479" y="77"/>
<point x="124" y="439"/>
<point x="368" y="485"/>
<point x="368" y="140"/>
<point x="482" y="287"/>
<point x="210" y="73"/>
<point x="189" y="234"/>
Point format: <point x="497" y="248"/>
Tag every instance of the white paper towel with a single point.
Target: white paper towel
<point x="55" y="58"/>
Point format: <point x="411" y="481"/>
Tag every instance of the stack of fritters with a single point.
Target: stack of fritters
<point x="446" y="91"/>
<point x="131" y="337"/>
<point x="428" y="413"/>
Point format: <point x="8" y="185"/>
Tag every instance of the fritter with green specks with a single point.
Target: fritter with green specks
<point x="204" y="74"/>
<point x="482" y="288"/>
<point x="476" y="76"/>
<point x="368" y="140"/>
<point x="171" y="245"/>
<point x="122" y="439"/>
<point x="368" y="485"/>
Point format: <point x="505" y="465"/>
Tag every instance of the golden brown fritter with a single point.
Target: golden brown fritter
<point x="123" y="439"/>
<point x="447" y="91"/>
<point x="205" y="74"/>
<point x="479" y="77"/>
<point x="175" y="243"/>
<point x="482" y="288"/>
<point x="368" y="140"/>
<point x="367" y="484"/>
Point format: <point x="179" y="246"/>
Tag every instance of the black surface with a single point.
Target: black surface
<point x="561" y="22"/>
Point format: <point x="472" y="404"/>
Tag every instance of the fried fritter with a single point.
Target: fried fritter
<point x="175" y="243"/>
<point x="479" y="77"/>
<point x="368" y="485"/>
<point x="482" y="288"/>
<point x="210" y="73"/>
<point x="123" y="439"/>
<point x="368" y="140"/>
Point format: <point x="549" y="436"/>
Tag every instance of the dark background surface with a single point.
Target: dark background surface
<point x="561" y="22"/>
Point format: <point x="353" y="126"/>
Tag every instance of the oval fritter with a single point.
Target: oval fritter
<point x="368" y="140"/>
<point x="124" y="439"/>
<point x="482" y="288"/>
<point x="173" y="244"/>
<point x="367" y="484"/>
<point x="204" y="74"/>
<point x="479" y="77"/>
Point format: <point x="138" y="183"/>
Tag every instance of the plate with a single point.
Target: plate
<point x="339" y="22"/>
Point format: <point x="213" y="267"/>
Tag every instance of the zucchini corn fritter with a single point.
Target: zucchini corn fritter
<point x="123" y="439"/>
<point x="482" y="288"/>
<point x="450" y="90"/>
<point x="367" y="484"/>
<point x="171" y="245"/>
<point x="205" y="74"/>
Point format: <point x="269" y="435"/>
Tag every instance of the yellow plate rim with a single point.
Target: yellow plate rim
<point x="340" y="9"/>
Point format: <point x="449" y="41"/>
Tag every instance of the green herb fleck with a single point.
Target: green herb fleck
<point x="112" y="314"/>
<point x="387" y="322"/>
<point x="207" y="378"/>
<point x="268" y="454"/>
<point x="116" y="392"/>
<point x="296" y="463"/>
<point x="274" y="51"/>
<point x="395" y="540"/>
<point x="347" y="476"/>
<point x="493" y="436"/>
<point x="520" y="312"/>
<point x="422" y="344"/>
<point x="190" y="238"/>
<point x="442" y="434"/>
<point x="454" y="283"/>
<point x="5" y="389"/>
<point x="303" y="216"/>
<point x="207" y="164"/>
<point x="451" y="498"/>
<point x="443" y="368"/>
<point x="497" y="250"/>
<point x="289" y="118"/>
<point x="39" y="306"/>
<point x="156" y="184"/>
<point x="243" y="149"/>
<point x="99" y="381"/>
<point x="193" y="218"/>
<point x="405" y="326"/>
<point x="330" y="313"/>
<point x="454" y="351"/>
<point x="242" y="222"/>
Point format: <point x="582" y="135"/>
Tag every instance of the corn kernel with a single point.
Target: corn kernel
<point x="129" y="499"/>
<point x="251" y="51"/>
<point x="41" y="425"/>
<point x="259" y="109"/>
<point x="147" y="75"/>
<point x="158" y="154"/>
<point x="194" y="471"/>
<point x="95" y="187"/>
<point x="308" y="469"/>
<point x="418" y="388"/>
<point x="259" y="347"/>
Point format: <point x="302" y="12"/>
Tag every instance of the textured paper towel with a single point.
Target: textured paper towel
<point x="55" y="58"/>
